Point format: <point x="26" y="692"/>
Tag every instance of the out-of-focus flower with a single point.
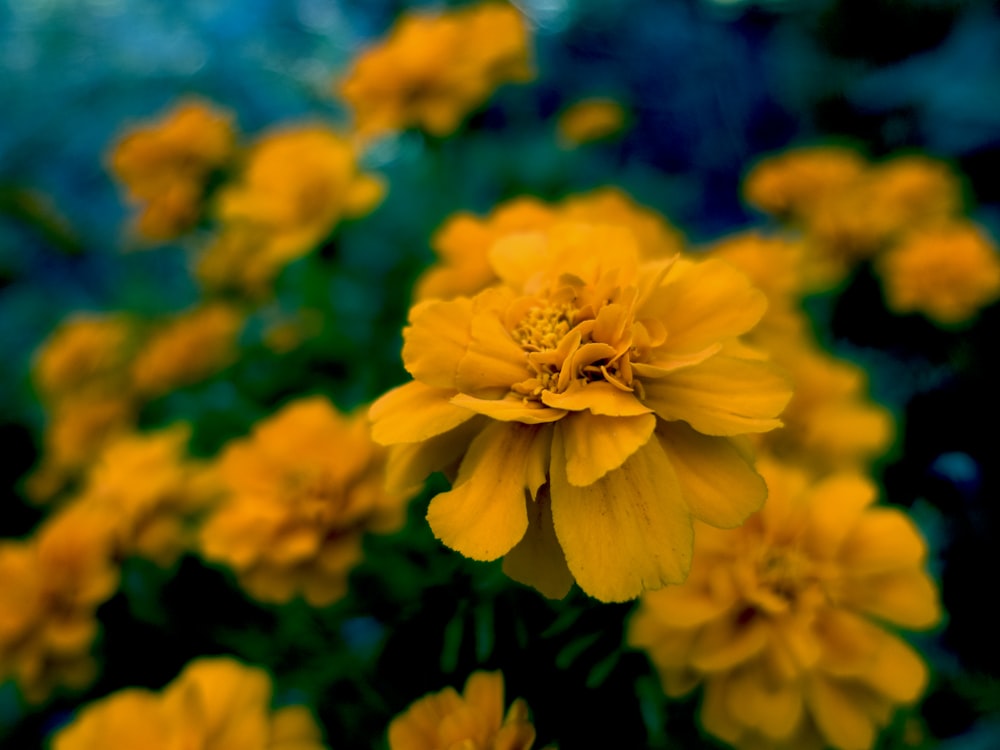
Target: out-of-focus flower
<point x="301" y="492"/>
<point x="190" y="347"/>
<point x="431" y="71"/>
<point x="52" y="586"/>
<point x="947" y="272"/>
<point x="164" y="166"/>
<point x="463" y="243"/>
<point x="590" y="120"/>
<point x="782" y="619"/>
<point x="214" y="704"/>
<point x="590" y="402"/>
<point x="288" y="333"/>
<point x="473" y="720"/>
<point x="152" y="491"/>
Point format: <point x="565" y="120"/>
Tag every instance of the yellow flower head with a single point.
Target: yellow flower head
<point x="589" y="401"/>
<point x="463" y="243"/>
<point x="431" y="71"/>
<point x="52" y="586"/>
<point x="214" y="704"/>
<point x="163" y="166"/>
<point x="590" y="120"/>
<point x="473" y="720"/>
<point x="189" y="348"/>
<point x="793" y="183"/>
<point x="301" y="492"/>
<point x="782" y="618"/>
<point x="947" y="272"/>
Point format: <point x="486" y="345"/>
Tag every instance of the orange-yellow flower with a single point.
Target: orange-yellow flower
<point x="300" y="493"/>
<point x="947" y="272"/>
<point x="165" y="165"/>
<point x="432" y="70"/>
<point x="791" y="184"/>
<point x="214" y="704"/>
<point x="590" y="120"/>
<point x="473" y="720"/>
<point x="782" y="619"/>
<point x="590" y="403"/>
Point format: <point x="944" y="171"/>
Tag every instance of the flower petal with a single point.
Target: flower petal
<point x="538" y="560"/>
<point x="836" y="505"/>
<point x="842" y="721"/>
<point x="898" y="671"/>
<point x="513" y="409"/>
<point x="883" y="540"/>
<point x="907" y="598"/>
<point x="729" y="641"/>
<point x="409" y="464"/>
<point x="415" y="412"/>
<point x="626" y="532"/>
<point x="599" y="397"/>
<point x="596" y="444"/>
<point x="436" y="340"/>
<point x="493" y="361"/>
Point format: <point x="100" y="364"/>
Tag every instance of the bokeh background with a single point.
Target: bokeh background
<point x="710" y="87"/>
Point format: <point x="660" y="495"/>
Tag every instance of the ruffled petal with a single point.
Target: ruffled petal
<point x="436" y="340"/>
<point x="415" y="412"/>
<point x="538" y="560"/>
<point x="599" y="397"/>
<point x="493" y="361"/>
<point x="884" y="540"/>
<point x="596" y="444"/>
<point x="897" y="671"/>
<point x="841" y="720"/>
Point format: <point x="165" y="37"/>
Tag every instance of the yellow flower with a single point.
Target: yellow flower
<point x="947" y="272"/>
<point x="214" y="704"/>
<point x="590" y="120"/>
<point x="590" y="402"/>
<point x="782" y="619"/>
<point x="189" y="348"/>
<point x="473" y="720"/>
<point x="145" y="483"/>
<point x="793" y="183"/>
<point x="431" y="71"/>
<point x="165" y="165"/>
<point x="463" y="243"/>
<point x="301" y="492"/>
<point x="52" y="586"/>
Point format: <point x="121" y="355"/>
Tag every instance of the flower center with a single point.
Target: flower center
<point x="542" y="328"/>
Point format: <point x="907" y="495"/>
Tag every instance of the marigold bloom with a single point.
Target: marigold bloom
<point x="87" y="353"/>
<point x="165" y="165"/>
<point x="431" y="71"/>
<point x="590" y="120"/>
<point x="300" y="493"/>
<point x="214" y="704"/>
<point x="947" y="272"/>
<point x="52" y="586"/>
<point x="590" y="401"/>
<point x="791" y="184"/>
<point x="781" y="618"/>
<point x="473" y="720"/>
<point x="190" y="347"/>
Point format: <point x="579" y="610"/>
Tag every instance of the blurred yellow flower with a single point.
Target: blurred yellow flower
<point x="590" y="120"/>
<point x="432" y="70"/>
<point x="947" y="272"/>
<point x="590" y="402"/>
<point x="163" y="166"/>
<point x="191" y="347"/>
<point x="473" y="720"/>
<point x="214" y="704"/>
<point x="52" y="586"/>
<point x="300" y="494"/>
<point x="782" y="619"/>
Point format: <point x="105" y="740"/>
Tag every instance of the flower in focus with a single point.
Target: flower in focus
<point x="186" y="349"/>
<point x="214" y="704"/>
<point x="52" y="586"/>
<point x="473" y="720"/>
<point x="947" y="272"/>
<point x="590" y="120"/>
<point x="299" y="495"/>
<point x="784" y="619"/>
<point x="165" y="165"/>
<point x="431" y="71"/>
<point x="591" y="404"/>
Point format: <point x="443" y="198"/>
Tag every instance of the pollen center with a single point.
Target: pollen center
<point x="542" y="328"/>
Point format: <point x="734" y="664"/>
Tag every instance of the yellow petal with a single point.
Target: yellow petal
<point x="849" y="642"/>
<point x="774" y="710"/>
<point x="415" y="412"/>
<point x="628" y="531"/>
<point x="600" y="397"/>
<point x="409" y="464"/>
<point x="729" y="641"/>
<point x="484" y="693"/>
<point x="493" y="361"/>
<point x="722" y="396"/>
<point x="596" y="444"/>
<point x="511" y="409"/>
<point x="719" y="484"/>
<point x="884" y="539"/>
<point x="842" y="721"/>
<point x="516" y="257"/>
<point x="436" y="340"/>
<point x="366" y="192"/>
<point x="538" y="560"/>
<point x="715" y="715"/>
<point x="836" y="504"/>
<point x="908" y="598"/>
<point x="484" y="516"/>
<point x="898" y="671"/>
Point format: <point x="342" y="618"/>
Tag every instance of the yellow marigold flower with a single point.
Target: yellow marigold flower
<point x="947" y="272"/>
<point x="189" y="348"/>
<point x="151" y="490"/>
<point x="164" y="165"/>
<point x="590" y="402"/>
<point x="792" y="183"/>
<point x="301" y="492"/>
<point x="590" y="120"/>
<point x="432" y="70"/>
<point x="473" y="720"/>
<point x="214" y="704"/>
<point x="782" y="619"/>
<point x="463" y="243"/>
<point x="52" y="586"/>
